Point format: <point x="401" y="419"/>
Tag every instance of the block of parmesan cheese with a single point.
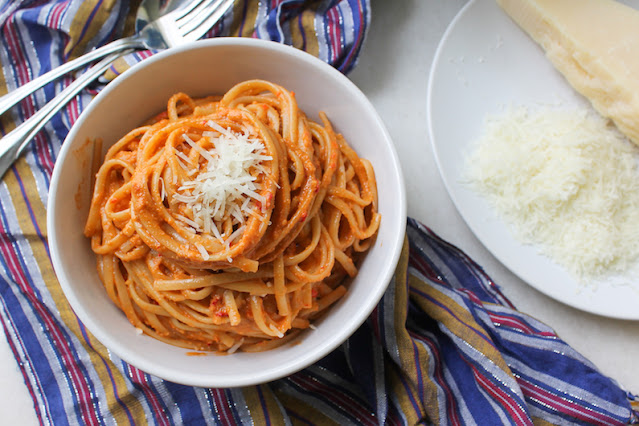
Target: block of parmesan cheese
<point x="595" y="45"/>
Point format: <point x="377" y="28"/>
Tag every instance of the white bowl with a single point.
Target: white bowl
<point x="203" y="68"/>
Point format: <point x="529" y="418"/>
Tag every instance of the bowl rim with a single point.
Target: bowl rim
<point x="393" y="248"/>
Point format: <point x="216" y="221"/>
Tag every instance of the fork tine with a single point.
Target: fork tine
<point x="197" y="23"/>
<point x="188" y="22"/>
<point x="183" y="11"/>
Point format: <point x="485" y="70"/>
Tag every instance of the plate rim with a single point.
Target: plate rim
<point x="452" y="193"/>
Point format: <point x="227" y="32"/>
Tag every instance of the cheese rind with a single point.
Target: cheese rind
<point x="595" y="45"/>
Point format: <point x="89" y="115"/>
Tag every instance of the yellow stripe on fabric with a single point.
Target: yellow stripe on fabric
<point x="119" y="65"/>
<point x="244" y="18"/>
<point x="79" y="35"/>
<point x="541" y="422"/>
<point x="6" y="121"/>
<point x="303" y="410"/>
<point x="460" y="321"/>
<point x="129" y="22"/>
<point x="308" y="39"/>
<point x="258" y="396"/>
<point x="38" y="247"/>
<point x="396" y="379"/>
<point x="3" y="81"/>
<point x="413" y="365"/>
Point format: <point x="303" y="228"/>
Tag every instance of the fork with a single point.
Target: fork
<point x="182" y="25"/>
<point x="205" y="15"/>
<point x="13" y="143"/>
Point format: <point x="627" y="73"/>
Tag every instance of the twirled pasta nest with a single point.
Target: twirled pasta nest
<point x="229" y="222"/>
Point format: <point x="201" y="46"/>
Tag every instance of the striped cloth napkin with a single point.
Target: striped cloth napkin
<point x="443" y="346"/>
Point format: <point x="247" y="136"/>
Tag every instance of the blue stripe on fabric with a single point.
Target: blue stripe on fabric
<point x="14" y="350"/>
<point x="76" y="358"/>
<point x="407" y="387"/>
<point x="270" y="24"/>
<point x="548" y="362"/>
<point x="418" y="370"/>
<point x="452" y="267"/>
<point x="34" y="221"/>
<point x="579" y="402"/>
<point x="19" y="111"/>
<point x="122" y="11"/>
<point x="340" y="371"/>
<point x="27" y="339"/>
<point x="37" y="359"/>
<point x="300" y="25"/>
<point x="459" y="270"/>
<point x="208" y="394"/>
<point x="547" y="356"/>
<point x="35" y="149"/>
<point x="243" y="17"/>
<point x="262" y="400"/>
<point x="380" y="313"/>
<point x="37" y="31"/>
<point x="521" y="320"/>
<point x="159" y="398"/>
<point x="362" y="348"/>
<point x="359" y="9"/>
<point x="449" y="350"/>
<point x="455" y="261"/>
<point x="43" y="365"/>
<point x="14" y="246"/>
<point x="340" y="37"/>
<point x="186" y="399"/>
<point x="447" y="309"/>
<point x="325" y="30"/>
<point x="41" y="33"/>
<point x="301" y="388"/>
<point x="229" y="397"/>
<point x="434" y="344"/>
<point x="4" y="7"/>
<point x="297" y="416"/>
<point x="87" y="24"/>
<point x="108" y="369"/>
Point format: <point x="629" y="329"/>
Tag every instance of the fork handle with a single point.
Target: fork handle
<point x="12" y="144"/>
<point x="12" y="98"/>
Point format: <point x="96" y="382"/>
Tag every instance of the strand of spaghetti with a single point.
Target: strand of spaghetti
<point x="297" y="258"/>
<point x="279" y="286"/>
<point x="258" y="288"/>
<point x="346" y="262"/>
<point x="260" y="317"/>
<point x="322" y="265"/>
<point x="324" y="302"/>
<point x="348" y="212"/>
<point x="234" y="315"/>
<point x="328" y="152"/>
<point x="212" y="280"/>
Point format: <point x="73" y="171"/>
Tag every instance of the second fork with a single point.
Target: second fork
<point x="185" y="24"/>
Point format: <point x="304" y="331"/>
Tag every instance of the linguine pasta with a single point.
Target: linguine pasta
<point x="230" y="222"/>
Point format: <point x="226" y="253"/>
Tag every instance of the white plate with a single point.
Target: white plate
<point x="484" y="62"/>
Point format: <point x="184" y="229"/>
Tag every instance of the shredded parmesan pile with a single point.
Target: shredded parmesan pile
<point x="223" y="186"/>
<point x="566" y="181"/>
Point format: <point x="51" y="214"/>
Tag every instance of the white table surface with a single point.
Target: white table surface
<point x="393" y="72"/>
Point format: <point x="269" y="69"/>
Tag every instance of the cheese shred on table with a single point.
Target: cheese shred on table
<point x="565" y="180"/>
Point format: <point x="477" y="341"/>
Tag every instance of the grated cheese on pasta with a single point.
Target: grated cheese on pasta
<point x="225" y="186"/>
